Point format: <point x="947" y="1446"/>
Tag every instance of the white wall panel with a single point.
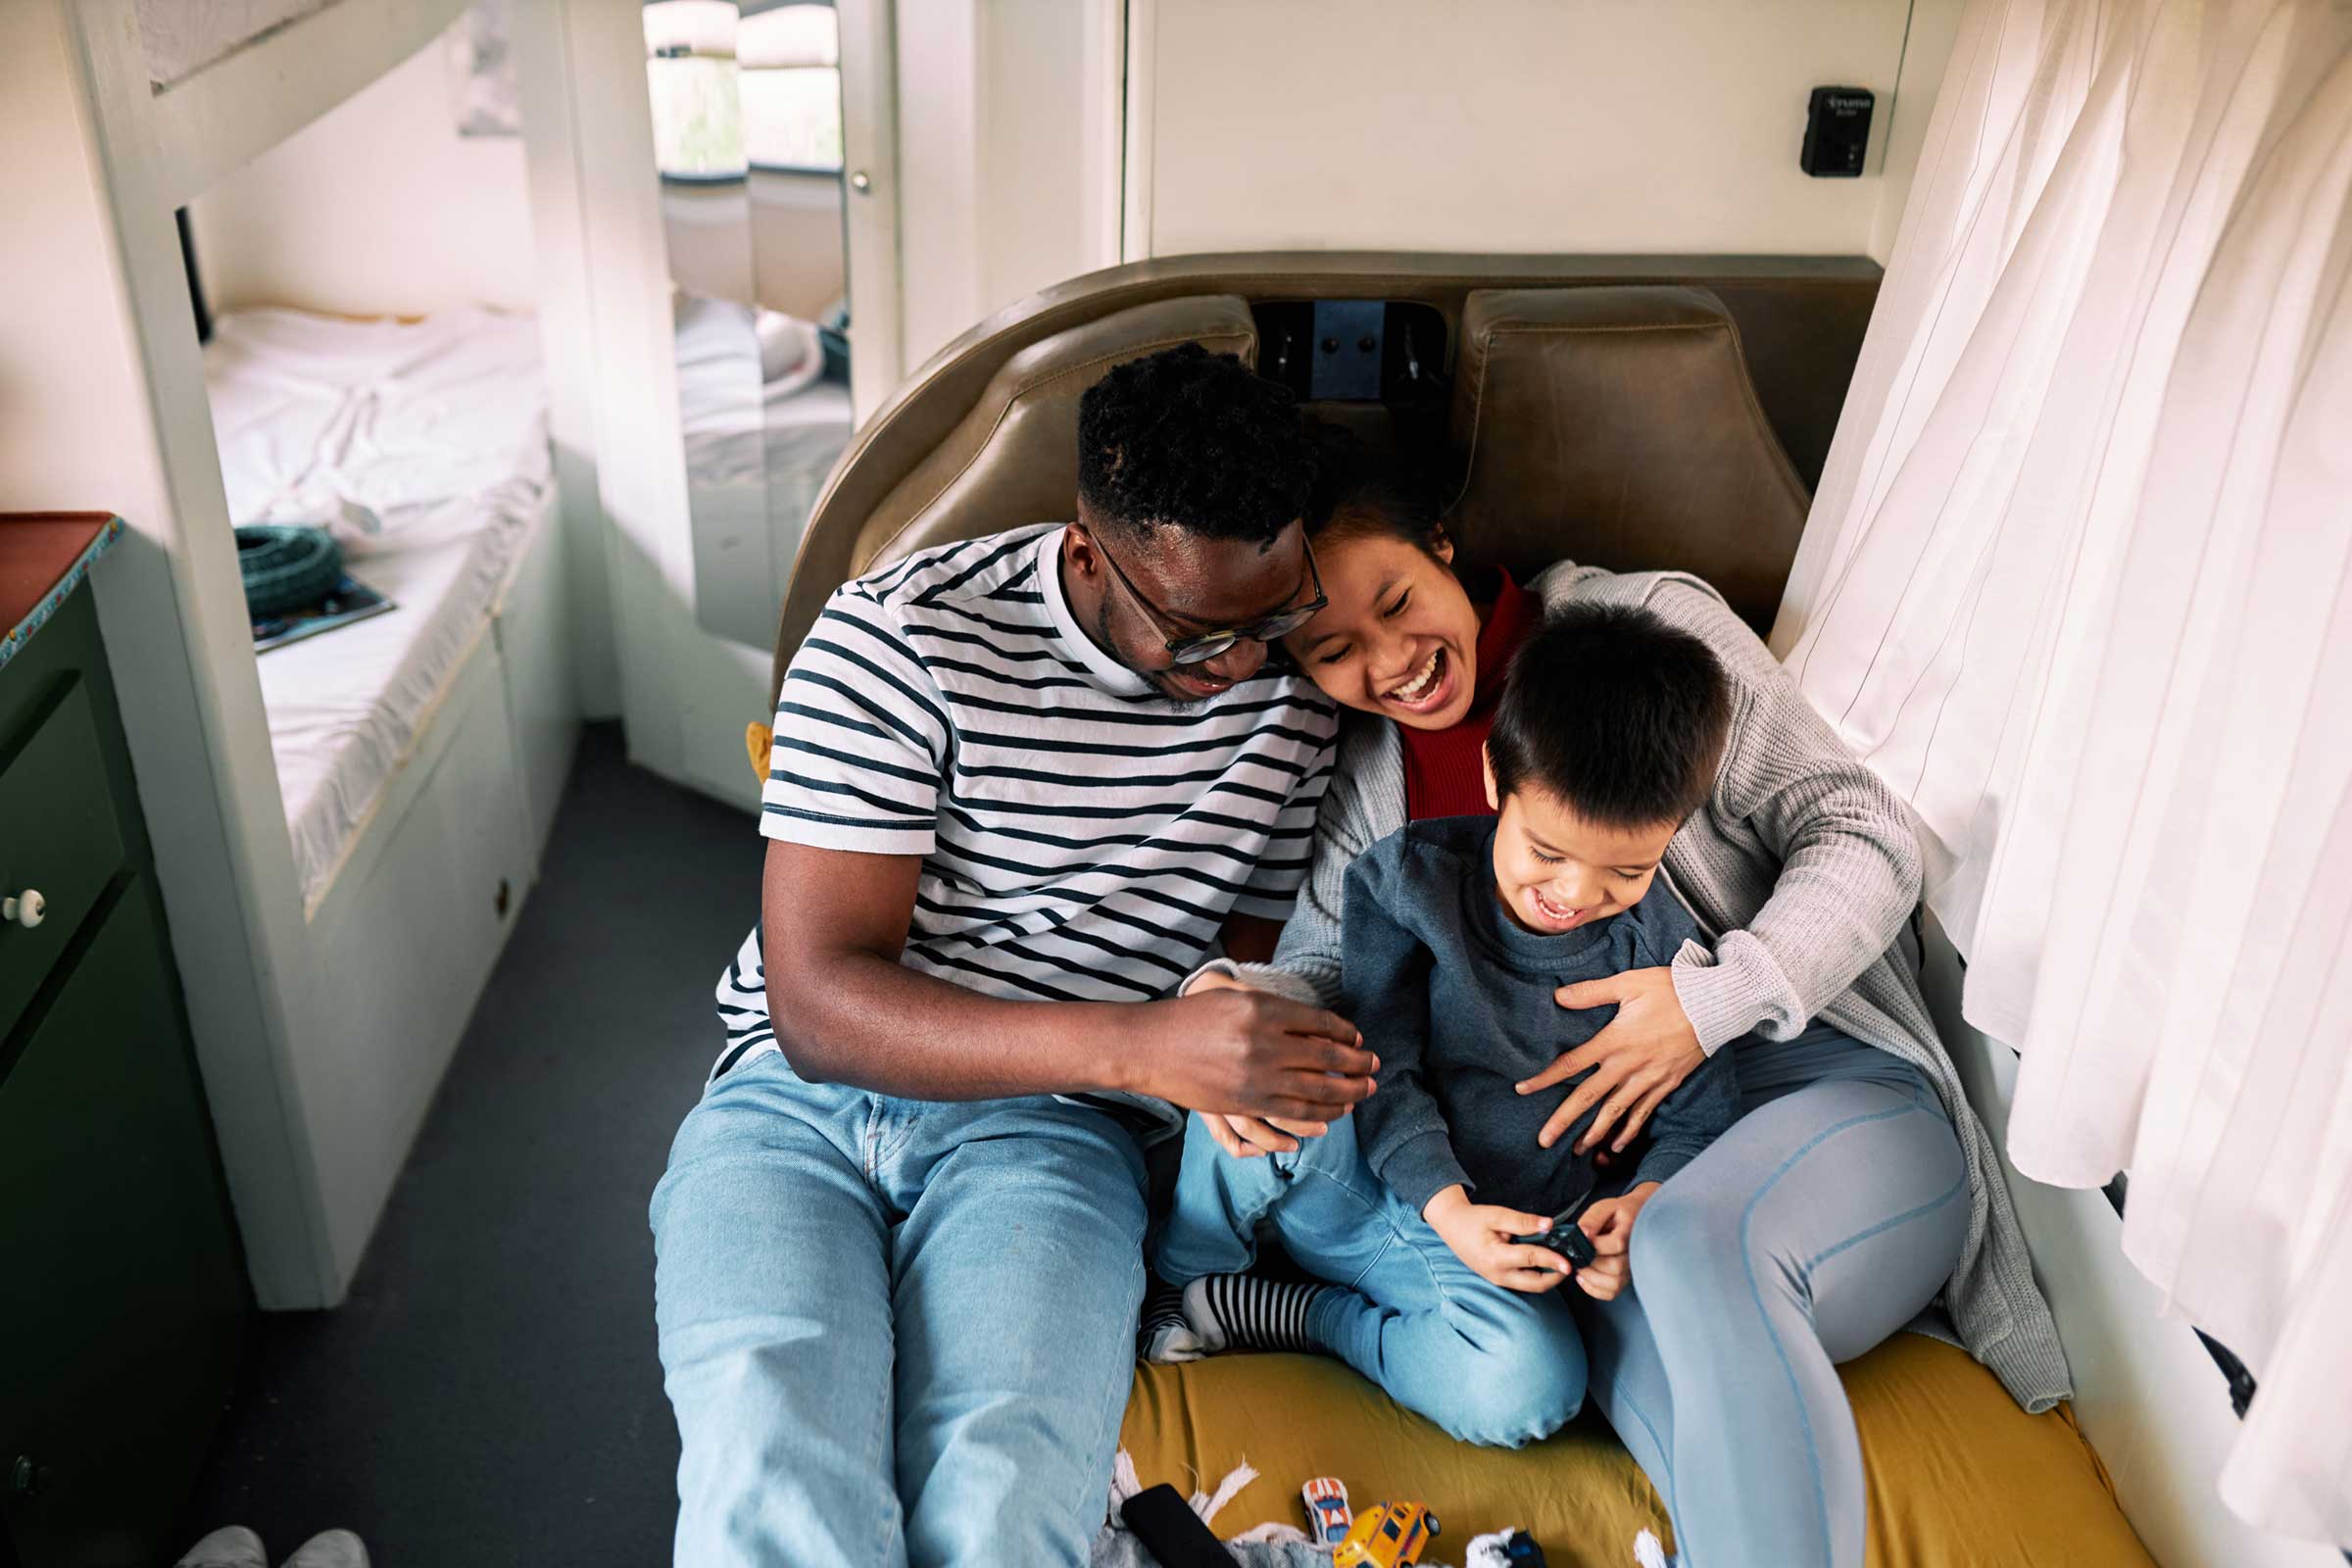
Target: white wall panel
<point x="1007" y="168"/>
<point x="1528" y="126"/>
<point x="377" y="207"/>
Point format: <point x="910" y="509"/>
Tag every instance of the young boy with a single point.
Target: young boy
<point x="1458" y="932"/>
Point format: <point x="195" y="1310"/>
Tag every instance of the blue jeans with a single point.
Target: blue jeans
<point x="1488" y="1365"/>
<point x="894" y="1333"/>
<point x="1824" y="1220"/>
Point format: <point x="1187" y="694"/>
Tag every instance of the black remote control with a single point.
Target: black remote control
<point x="1563" y="1235"/>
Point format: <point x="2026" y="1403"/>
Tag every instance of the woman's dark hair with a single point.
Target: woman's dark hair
<point x="1193" y="440"/>
<point x="1361" y="495"/>
<point x="1618" y="715"/>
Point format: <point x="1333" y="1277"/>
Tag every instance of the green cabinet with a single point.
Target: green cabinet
<point x="122" y="1296"/>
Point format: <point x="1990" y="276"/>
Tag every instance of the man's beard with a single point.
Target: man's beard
<point x="1156" y="678"/>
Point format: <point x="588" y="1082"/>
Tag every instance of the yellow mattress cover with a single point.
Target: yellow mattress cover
<point x="1959" y="1477"/>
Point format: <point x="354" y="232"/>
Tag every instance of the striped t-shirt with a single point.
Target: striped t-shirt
<point x="1083" y="836"/>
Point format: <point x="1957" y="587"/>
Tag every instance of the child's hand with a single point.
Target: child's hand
<point x="1480" y="1235"/>
<point x="1609" y="1221"/>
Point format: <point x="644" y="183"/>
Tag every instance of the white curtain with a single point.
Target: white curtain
<point x="2077" y="583"/>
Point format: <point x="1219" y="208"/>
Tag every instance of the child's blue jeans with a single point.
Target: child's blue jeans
<point x="1488" y="1365"/>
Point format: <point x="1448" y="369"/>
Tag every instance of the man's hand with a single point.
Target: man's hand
<point x="1609" y="1221"/>
<point x="1247" y="1136"/>
<point x="1480" y="1235"/>
<point x="1639" y="1058"/>
<point x="1252" y="1053"/>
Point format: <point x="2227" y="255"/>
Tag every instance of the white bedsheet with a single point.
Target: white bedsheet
<point x="433" y="435"/>
<point x="741" y="429"/>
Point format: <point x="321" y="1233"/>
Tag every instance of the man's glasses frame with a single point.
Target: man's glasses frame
<point x="1202" y="647"/>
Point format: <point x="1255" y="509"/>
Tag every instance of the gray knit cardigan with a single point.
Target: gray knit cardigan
<point x="1802" y="869"/>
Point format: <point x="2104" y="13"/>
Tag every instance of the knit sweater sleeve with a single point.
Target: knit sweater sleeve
<point x="1703" y="1106"/>
<point x="1850" y="864"/>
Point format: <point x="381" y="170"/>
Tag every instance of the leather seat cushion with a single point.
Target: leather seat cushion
<point x="1617" y="426"/>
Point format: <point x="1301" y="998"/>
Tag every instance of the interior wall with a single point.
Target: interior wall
<point x="1003" y="118"/>
<point x="1927" y="54"/>
<point x="706" y="229"/>
<point x="798" y="265"/>
<point x="1514" y="125"/>
<point x="2149" y="1397"/>
<point x="378" y="207"/>
<point x="771" y="239"/>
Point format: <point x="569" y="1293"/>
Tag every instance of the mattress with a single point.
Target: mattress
<point x="1959" y="1476"/>
<point x="423" y="446"/>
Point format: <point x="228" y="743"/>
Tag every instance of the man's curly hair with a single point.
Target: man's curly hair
<point x="1189" y="439"/>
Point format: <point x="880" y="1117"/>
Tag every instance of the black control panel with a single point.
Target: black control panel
<point x="1836" y="132"/>
<point x="1353" y="350"/>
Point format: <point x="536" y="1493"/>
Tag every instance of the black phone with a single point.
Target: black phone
<point x="1171" y="1531"/>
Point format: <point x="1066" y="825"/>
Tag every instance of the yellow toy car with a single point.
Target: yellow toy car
<point x="1386" y="1535"/>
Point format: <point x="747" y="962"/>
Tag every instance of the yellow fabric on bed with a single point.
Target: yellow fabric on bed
<point x="1959" y="1476"/>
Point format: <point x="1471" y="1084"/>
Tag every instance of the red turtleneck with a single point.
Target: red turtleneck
<point x="1445" y="775"/>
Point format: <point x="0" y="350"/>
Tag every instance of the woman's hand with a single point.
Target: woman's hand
<point x="1480" y="1235"/>
<point x="1639" y="1058"/>
<point x="1609" y="1221"/>
<point x="1249" y="1137"/>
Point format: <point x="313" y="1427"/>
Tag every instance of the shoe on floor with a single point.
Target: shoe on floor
<point x="337" y="1548"/>
<point x="232" y="1548"/>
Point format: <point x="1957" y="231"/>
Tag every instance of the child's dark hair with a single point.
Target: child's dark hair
<point x="1620" y="716"/>
<point x="1364" y="496"/>
<point x="1198" y="441"/>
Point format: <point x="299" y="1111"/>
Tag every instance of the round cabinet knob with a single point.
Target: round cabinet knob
<point x="861" y="182"/>
<point x="26" y="909"/>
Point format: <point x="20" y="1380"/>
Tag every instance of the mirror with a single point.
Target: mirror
<point x="748" y="147"/>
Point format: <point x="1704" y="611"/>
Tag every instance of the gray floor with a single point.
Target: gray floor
<point x="490" y="1393"/>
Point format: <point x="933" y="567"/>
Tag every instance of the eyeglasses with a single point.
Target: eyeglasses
<point x="1206" y="646"/>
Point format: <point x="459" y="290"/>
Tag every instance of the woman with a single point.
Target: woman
<point x="1857" y="1183"/>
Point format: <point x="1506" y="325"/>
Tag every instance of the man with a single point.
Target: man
<point x="1020" y="786"/>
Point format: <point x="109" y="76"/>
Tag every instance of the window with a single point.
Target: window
<point x="691" y="78"/>
<point x="790" y="84"/>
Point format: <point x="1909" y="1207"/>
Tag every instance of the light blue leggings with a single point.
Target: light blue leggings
<point x="1826" y="1219"/>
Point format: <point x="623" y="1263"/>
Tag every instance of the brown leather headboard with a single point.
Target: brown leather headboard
<point x="984" y="436"/>
<point x="1618" y="427"/>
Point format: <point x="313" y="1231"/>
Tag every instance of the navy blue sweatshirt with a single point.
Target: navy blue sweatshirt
<point x="1455" y="997"/>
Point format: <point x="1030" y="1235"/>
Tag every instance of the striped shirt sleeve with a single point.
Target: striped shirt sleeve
<point x="861" y="738"/>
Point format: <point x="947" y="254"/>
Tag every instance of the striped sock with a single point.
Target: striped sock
<point x="1244" y="1313"/>
<point x="1164" y="1337"/>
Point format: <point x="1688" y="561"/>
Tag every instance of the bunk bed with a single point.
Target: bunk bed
<point x="381" y="793"/>
<point x="424" y="443"/>
<point x="420" y="754"/>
